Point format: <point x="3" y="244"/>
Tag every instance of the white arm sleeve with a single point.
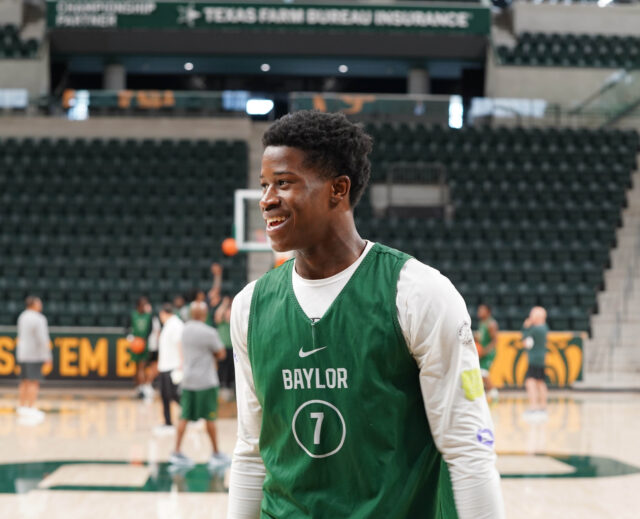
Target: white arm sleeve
<point x="436" y="326"/>
<point x="247" y="468"/>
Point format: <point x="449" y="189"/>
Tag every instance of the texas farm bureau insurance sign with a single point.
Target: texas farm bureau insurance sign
<point x="142" y="14"/>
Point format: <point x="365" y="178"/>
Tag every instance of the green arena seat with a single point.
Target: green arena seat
<point x="570" y="50"/>
<point x="526" y="224"/>
<point x="105" y="223"/>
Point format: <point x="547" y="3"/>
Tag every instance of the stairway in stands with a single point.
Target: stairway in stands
<point x="612" y="355"/>
<point x="535" y="213"/>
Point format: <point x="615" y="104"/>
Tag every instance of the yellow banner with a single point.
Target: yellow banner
<point x="563" y="363"/>
<point x="76" y="356"/>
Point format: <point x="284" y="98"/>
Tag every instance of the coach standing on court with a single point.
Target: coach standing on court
<point x="32" y="353"/>
<point x="200" y="345"/>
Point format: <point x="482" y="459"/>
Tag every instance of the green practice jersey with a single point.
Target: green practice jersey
<point x="140" y="324"/>
<point x="484" y="338"/>
<point x="538" y="352"/>
<point x="224" y="331"/>
<point x="344" y="432"/>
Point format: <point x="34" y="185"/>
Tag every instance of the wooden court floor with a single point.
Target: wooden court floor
<point x="96" y="456"/>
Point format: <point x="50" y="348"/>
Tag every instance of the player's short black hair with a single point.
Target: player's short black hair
<point x="167" y="307"/>
<point x="331" y="142"/>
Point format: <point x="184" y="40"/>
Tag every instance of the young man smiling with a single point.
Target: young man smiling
<point x="358" y="385"/>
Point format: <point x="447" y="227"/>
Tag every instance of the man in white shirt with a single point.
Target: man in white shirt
<point x="358" y="385"/>
<point x="33" y="353"/>
<point x="169" y="360"/>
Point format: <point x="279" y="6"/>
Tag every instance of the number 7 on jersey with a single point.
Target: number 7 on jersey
<point x="319" y="417"/>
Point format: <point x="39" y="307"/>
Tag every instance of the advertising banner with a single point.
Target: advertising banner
<point x="90" y="356"/>
<point x="563" y="363"/>
<point x="432" y="107"/>
<point x="145" y="14"/>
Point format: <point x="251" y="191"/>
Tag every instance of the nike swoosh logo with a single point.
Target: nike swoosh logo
<point x="304" y="354"/>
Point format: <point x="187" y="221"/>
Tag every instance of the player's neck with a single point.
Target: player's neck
<point x="339" y="249"/>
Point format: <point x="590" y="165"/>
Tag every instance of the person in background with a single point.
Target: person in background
<point x="214" y="295"/>
<point x="169" y="362"/>
<point x="534" y="338"/>
<point x="226" y="369"/>
<point x="486" y="337"/>
<point x="201" y="345"/>
<point x="32" y="354"/>
<point x="181" y="307"/>
<point x="139" y="326"/>
<point x="152" y="365"/>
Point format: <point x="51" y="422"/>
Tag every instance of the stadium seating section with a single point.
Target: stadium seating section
<point x="12" y="46"/>
<point x="571" y="50"/>
<point x="91" y="224"/>
<point x="535" y="213"/>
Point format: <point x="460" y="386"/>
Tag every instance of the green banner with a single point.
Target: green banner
<point x="145" y="14"/>
<point x="76" y="356"/>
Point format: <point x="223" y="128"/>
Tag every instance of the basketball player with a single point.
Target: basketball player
<point x="226" y="372"/>
<point x="358" y="385"/>
<point x="139" y="325"/>
<point x="214" y="294"/>
<point x="152" y="361"/>
<point x="487" y="336"/>
<point x="534" y="337"/>
<point x="181" y="308"/>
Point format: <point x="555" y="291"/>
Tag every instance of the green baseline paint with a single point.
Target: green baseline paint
<point x="585" y="467"/>
<point x="196" y="480"/>
<point x="200" y="480"/>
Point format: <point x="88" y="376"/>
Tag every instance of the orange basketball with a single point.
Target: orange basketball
<point x="230" y="247"/>
<point x="137" y="345"/>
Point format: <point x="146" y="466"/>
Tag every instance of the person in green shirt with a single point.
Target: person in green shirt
<point x="139" y="327"/>
<point x="534" y="338"/>
<point x="486" y="338"/>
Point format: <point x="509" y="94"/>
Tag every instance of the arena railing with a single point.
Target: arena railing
<point x="616" y="101"/>
<point x="618" y="97"/>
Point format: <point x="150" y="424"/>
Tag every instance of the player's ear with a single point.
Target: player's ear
<point x="340" y="187"/>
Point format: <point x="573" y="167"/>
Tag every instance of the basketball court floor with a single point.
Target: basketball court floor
<point x="96" y="456"/>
